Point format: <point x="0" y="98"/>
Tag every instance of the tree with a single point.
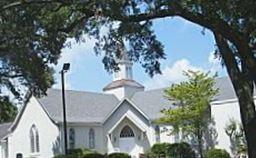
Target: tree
<point x="26" y="52"/>
<point x="232" y="22"/>
<point x="7" y="110"/>
<point x="237" y="138"/>
<point x="191" y="112"/>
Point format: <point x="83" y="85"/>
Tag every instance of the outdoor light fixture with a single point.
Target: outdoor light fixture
<point x="65" y="68"/>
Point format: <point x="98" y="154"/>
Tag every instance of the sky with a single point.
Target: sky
<point x="186" y="48"/>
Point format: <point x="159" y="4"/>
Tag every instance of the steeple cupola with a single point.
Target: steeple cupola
<point x="123" y="85"/>
<point x="125" y="66"/>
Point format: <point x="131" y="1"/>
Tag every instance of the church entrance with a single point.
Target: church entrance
<point x="127" y="141"/>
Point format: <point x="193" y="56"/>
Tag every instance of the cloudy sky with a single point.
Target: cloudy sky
<point x="185" y="45"/>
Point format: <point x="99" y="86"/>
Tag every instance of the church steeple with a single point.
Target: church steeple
<point x="125" y="66"/>
<point x="123" y="84"/>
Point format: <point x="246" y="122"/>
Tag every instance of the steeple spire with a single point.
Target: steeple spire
<point x="125" y="66"/>
<point x="123" y="85"/>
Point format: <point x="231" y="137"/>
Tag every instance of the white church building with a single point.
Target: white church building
<point x="120" y="119"/>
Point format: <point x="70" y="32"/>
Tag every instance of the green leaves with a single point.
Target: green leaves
<point x="237" y="136"/>
<point x="192" y="98"/>
<point x="192" y="104"/>
<point x="7" y="110"/>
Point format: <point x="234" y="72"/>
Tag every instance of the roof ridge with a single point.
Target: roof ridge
<point x="80" y="91"/>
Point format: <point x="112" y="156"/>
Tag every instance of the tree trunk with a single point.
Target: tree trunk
<point x="200" y="141"/>
<point x="200" y="147"/>
<point x="244" y="91"/>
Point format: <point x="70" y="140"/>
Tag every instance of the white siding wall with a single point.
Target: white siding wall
<point x="124" y="91"/>
<point x="3" y="150"/>
<point x="19" y="140"/>
<point x="118" y="92"/>
<point x="82" y="136"/>
<point x="222" y="113"/>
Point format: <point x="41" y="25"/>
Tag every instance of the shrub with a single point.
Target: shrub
<point x="118" y="155"/>
<point x="94" y="155"/>
<point x="159" y="149"/>
<point x="180" y="150"/>
<point x="58" y="156"/>
<point x="66" y="156"/>
<point x="87" y="151"/>
<point x="75" y="153"/>
<point x="171" y="150"/>
<point x="217" y="153"/>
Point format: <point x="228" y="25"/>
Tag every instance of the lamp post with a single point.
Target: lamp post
<point x="65" y="68"/>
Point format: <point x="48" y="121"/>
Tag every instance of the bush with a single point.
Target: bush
<point x="118" y="155"/>
<point x="66" y="156"/>
<point x="93" y="155"/>
<point x="217" y="153"/>
<point x="180" y="150"/>
<point x="174" y="150"/>
<point x="159" y="149"/>
<point x="75" y="153"/>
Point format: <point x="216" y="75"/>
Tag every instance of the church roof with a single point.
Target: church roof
<point x="4" y="129"/>
<point x="152" y="102"/>
<point x="226" y="90"/>
<point x="89" y="107"/>
<point x="81" y="106"/>
<point x="121" y="83"/>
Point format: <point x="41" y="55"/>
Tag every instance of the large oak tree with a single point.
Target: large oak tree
<point x="34" y="31"/>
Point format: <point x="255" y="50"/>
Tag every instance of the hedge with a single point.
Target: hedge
<point x="75" y="153"/>
<point x="171" y="150"/>
<point x="217" y="153"/>
<point x="118" y="155"/>
<point x="180" y="150"/>
<point x="94" y="155"/>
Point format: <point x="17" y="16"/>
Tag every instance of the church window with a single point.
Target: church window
<point x="129" y="72"/>
<point x="34" y="139"/>
<point x="116" y="74"/>
<point x="71" y="138"/>
<point x="126" y="132"/>
<point x="91" y="139"/>
<point x="157" y="133"/>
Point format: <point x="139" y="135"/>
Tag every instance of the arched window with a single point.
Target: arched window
<point x="126" y="132"/>
<point x="91" y="139"/>
<point x="71" y="138"/>
<point x="157" y="133"/>
<point x="34" y="139"/>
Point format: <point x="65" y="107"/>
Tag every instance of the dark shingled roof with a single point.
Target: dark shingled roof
<point x="226" y="90"/>
<point x="122" y="82"/>
<point x="89" y="107"/>
<point x="94" y="107"/>
<point x="4" y="129"/>
<point x="152" y="102"/>
<point x="81" y="106"/>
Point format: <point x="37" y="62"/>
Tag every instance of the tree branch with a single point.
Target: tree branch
<point x="23" y="2"/>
